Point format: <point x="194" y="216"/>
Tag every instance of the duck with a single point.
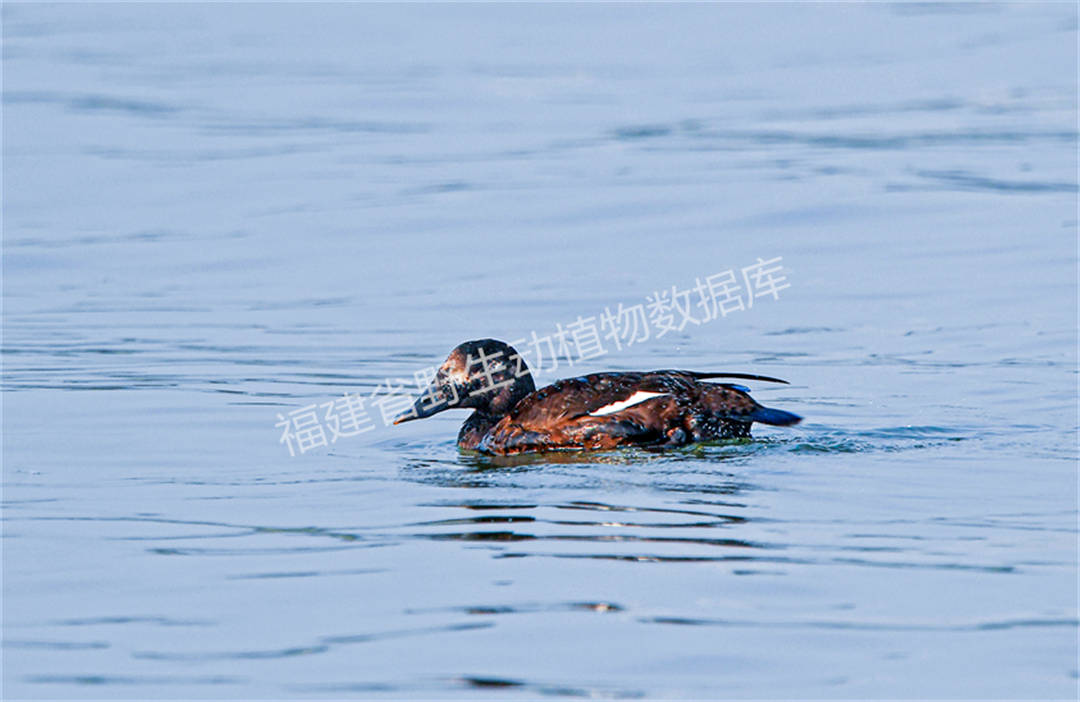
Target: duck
<point x="595" y="412"/>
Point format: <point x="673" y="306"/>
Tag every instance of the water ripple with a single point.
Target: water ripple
<point x="324" y="644"/>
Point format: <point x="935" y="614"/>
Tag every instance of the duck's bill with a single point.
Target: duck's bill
<point x="421" y="409"/>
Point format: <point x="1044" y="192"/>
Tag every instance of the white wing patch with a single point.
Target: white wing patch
<point x="636" y="399"/>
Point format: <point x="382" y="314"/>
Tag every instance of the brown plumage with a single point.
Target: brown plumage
<point x="593" y="412"/>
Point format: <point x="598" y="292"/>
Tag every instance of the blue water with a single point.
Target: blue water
<point x="218" y="213"/>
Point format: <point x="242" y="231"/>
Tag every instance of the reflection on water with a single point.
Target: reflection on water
<point x="215" y="213"/>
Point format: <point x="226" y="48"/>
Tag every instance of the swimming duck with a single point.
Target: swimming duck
<point x="593" y="412"/>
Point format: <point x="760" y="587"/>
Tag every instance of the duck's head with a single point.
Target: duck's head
<point x="486" y="375"/>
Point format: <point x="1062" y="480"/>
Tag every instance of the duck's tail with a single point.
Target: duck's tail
<point x="697" y="375"/>
<point x="776" y="417"/>
<point x="733" y="403"/>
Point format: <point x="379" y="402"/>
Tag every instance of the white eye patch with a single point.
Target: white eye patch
<point x="455" y="375"/>
<point x="636" y="399"/>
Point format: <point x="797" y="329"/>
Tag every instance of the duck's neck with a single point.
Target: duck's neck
<point x="474" y="429"/>
<point x="493" y="407"/>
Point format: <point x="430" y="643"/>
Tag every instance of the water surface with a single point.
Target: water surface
<point x="214" y="214"/>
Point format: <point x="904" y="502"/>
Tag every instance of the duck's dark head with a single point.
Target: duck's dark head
<point x="486" y="375"/>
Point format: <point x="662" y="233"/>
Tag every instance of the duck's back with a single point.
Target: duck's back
<point x="608" y="410"/>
